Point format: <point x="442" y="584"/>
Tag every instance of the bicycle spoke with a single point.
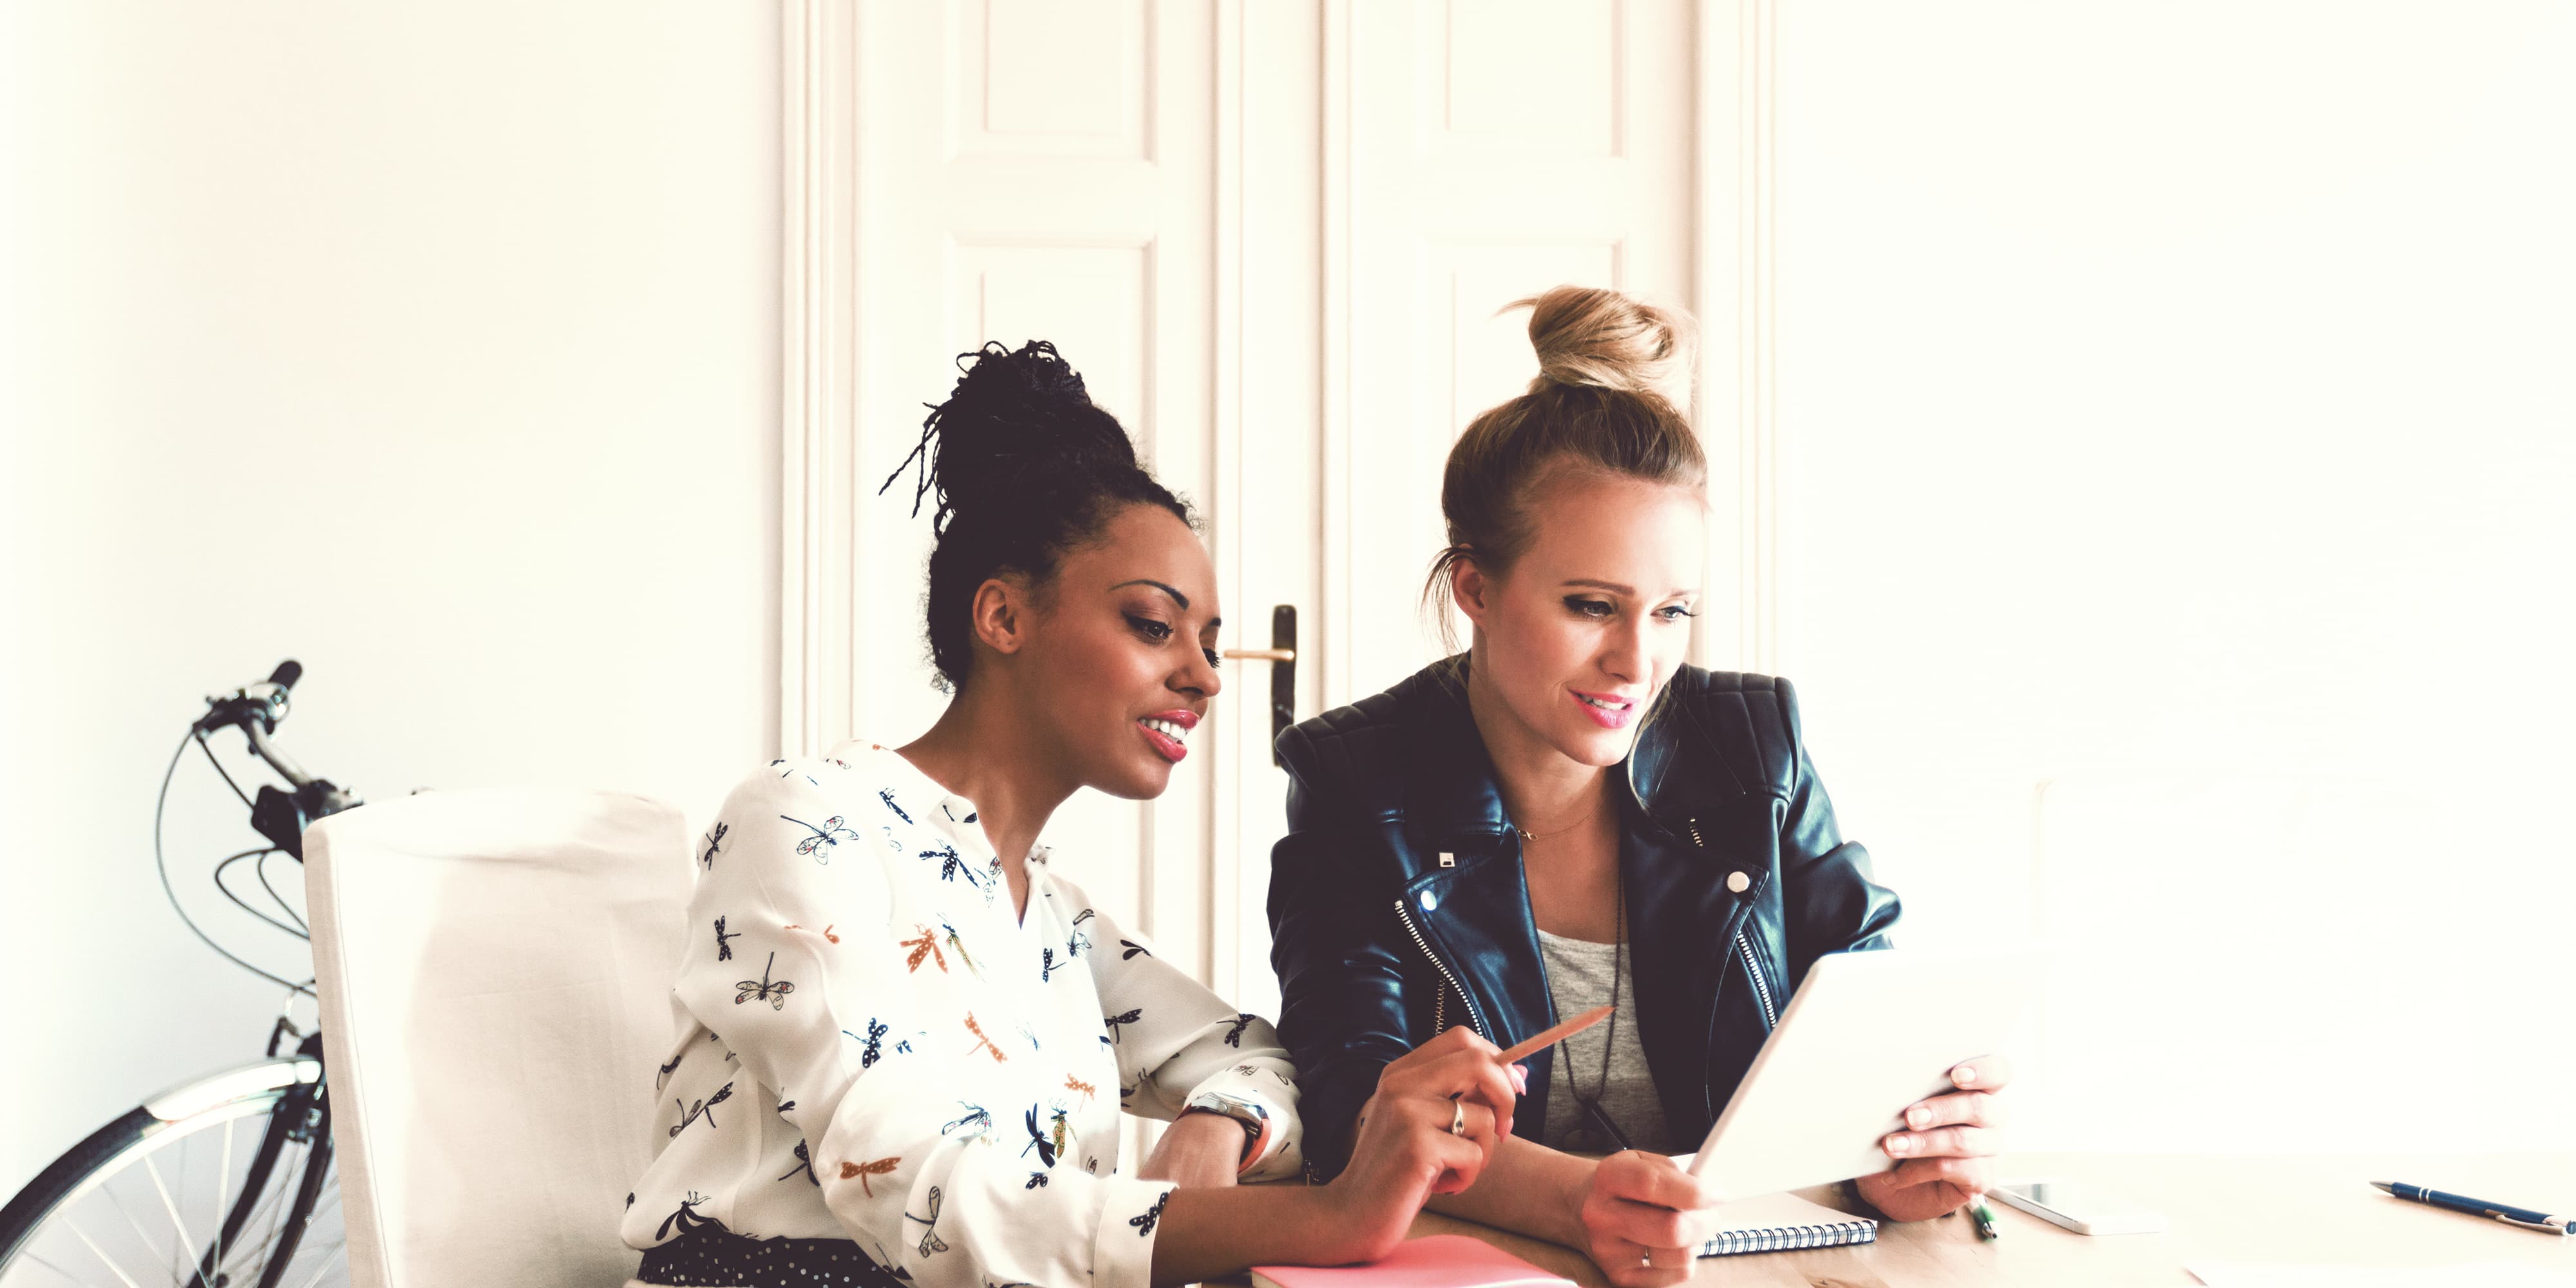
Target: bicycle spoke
<point x="223" y="1194"/>
<point x="275" y="1204"/>
<point x="109" y="1189"/>
<point x="186" y="1241"/>
<point x="330" y="1258"/>
<point x="113" y="1268"/>
<point x="280" y="1207"/>
<point x="67" y="1275"/>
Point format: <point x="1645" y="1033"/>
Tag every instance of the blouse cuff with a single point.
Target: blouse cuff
<point x="1122" y="1253"/>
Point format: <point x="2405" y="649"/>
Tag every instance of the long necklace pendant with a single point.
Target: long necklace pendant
<point x="1602" y="1123"/>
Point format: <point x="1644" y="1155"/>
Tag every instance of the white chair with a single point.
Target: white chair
<point x="493" y="969"/>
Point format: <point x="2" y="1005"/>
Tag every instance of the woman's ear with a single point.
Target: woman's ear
<point x="1468" y="586"/>
<point x="999" y="615"/>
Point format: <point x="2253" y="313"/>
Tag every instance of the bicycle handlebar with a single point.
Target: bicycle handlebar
<point x="256" y="710"/>
<point x="262" y="704"/>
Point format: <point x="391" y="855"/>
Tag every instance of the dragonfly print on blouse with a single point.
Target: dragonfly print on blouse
<point x="983" y="1041"/>
<point x="1145" y="1224"/>
<point x="774" y="993"/>
<point x="870" y="1047"/>
<point x="1060" y="1126"/>
<point x="953" y="865"/>
<point x="863" y="1171"/>
<point x="1234" y="1036"/>
<point x="791" y="769"/>
<point x="686" y="1218"/>
<point x="958" y="946"/>
<point x="715" y="841"/>
<point x="974" y="1122"/>
<point x="1040" y="1139"/>
<point x="805" y="1164"/>
<point x="1122" y="1018"/>
<point x="924" y="946"/>
<point x="724" y="949"/>
<point x="1074" y="945"/>
<point x="930" y="1240"/>
<point x="887" y="795"/>
<point x="703" y="1109"/>
<point x="825" y="838"/>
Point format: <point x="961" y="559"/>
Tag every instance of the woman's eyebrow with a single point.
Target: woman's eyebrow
<point x="1177" y="597"/>
<point x="1619" y="588"/>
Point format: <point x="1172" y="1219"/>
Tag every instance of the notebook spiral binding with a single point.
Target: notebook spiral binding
<point x="1782" y="1238"/>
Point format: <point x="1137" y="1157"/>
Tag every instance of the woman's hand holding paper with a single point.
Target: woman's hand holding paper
<point x="1944" y="1156"/>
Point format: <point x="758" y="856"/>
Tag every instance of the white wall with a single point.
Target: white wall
<point x="436" y="346"/>
<point x="2178" y="439"/>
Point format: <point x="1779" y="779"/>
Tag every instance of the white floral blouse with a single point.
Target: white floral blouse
<point x="875" y="1049"/>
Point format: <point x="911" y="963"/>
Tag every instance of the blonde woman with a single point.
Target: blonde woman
<point x="1567" y="815"/>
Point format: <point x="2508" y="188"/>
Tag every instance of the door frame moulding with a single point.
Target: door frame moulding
<point x="1738" y="289"/>
<point x="820" y="372"/>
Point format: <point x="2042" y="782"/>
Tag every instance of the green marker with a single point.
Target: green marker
<point x="1985" y="1216"/>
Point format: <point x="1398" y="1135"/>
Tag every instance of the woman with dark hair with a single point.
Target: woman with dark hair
<point x="908" y="1041"/>
<point x="1567" y="815"/>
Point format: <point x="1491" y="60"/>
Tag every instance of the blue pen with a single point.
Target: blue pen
<point x="2524" y="1217"/>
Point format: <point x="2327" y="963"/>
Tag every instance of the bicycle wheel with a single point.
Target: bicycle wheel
<point x="223" y="1183"/>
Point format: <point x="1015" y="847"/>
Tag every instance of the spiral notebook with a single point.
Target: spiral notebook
<point x="1777" y="1222"/>
<point x="1769" y="1223"/>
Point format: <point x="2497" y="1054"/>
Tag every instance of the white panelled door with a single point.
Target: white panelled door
<point x="1494" y="148"/>
<point x="1273" y="237"/>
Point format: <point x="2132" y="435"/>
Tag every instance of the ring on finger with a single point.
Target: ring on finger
<point x="1457" y="1118"/>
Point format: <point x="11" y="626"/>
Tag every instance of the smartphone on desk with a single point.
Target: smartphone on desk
<point x="2079" y="1207"/>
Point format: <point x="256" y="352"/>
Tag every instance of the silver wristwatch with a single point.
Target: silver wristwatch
<point x="1254" y="1119"/>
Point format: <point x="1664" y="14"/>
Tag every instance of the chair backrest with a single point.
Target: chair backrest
<point x="494" y="973"/>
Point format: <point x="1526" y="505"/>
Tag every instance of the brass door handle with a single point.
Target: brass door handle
<point x="1282" y="653"/>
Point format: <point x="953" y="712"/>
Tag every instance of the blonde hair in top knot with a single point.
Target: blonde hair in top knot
<point x="1586" y="335"/>
<point x="1611" y="397"/>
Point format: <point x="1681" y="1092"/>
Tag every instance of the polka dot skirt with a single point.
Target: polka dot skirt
<point x="715" y="1259"/>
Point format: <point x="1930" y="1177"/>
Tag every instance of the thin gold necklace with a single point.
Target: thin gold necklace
<point x="1528" y="835"/>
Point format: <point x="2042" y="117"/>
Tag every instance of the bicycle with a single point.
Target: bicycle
<point x="274" y="1220"/>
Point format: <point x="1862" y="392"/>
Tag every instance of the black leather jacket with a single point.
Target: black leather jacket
<point x="1397" y="906"/>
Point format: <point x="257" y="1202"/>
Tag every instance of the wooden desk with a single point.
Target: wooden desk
<point x="2290" y="1209"/>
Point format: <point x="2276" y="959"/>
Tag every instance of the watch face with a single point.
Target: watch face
<point x="1217" y="1102"/>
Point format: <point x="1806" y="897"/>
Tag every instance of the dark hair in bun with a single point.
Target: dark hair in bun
<point x="1020" y="467"/>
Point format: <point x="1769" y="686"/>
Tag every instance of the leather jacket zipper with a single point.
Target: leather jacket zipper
<point x="1761" y="990"/>
<point x="1744" y="947"/>
<point x="1440" y="1004"/>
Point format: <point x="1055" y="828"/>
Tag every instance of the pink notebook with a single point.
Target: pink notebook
<point x="1434" y="1261"/>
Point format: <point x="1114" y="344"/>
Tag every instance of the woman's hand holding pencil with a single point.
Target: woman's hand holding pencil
<point x="1440" y="1112"/>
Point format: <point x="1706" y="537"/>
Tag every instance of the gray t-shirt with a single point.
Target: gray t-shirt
<point x="1578" y="979"/>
